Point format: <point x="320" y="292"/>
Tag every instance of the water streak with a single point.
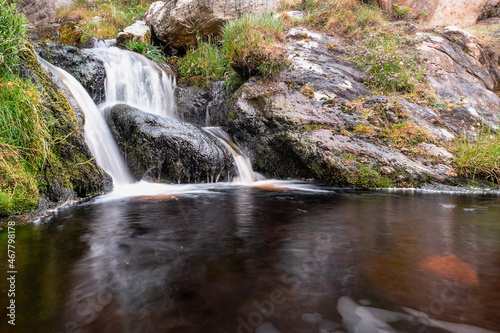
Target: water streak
<point x="243" y="165"/>
<point x="97" y="134"/>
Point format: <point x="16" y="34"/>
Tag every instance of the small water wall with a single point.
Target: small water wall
<point x="97" y="134"/>
<point x="243" y="165"/>
<point x="134" y="80"/>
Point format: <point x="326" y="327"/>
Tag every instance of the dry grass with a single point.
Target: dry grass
<point x="488" y="34"/>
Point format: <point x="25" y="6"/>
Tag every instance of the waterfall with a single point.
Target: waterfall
<point x="137" y="81"/>
<point x="243" y="165"/>
<point x="97" y="134"/>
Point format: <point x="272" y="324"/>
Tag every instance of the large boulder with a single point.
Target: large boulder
<point x="440" y="12"/>
<point x="180" y="23"/>
<point x="317" y="121"/>
<point x="166" y="150"/>
<point x="87" y="69"/>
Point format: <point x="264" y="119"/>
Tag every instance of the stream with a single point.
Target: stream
<point x="271" y="257"/>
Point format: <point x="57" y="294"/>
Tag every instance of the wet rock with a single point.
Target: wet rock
<point x="180" y="23"/>
<point x="86" y="68"/>
<point x="198" y="105"/>
<point x="166" y="150"/>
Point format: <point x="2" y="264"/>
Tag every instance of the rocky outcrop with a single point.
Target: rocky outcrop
<point x="180" y="23"/>
<point x="86" y="68"/>
<point x="70" y="170"/>
<point x="305" y="125"/>
<point x="440" y="12"/>
<point x="165" y="150"/>
<point x="467" y="76"/>
<point x="41" y="12"/>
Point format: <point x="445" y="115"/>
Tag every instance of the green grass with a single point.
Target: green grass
<point x="149" y="51"/>
<point x="13" y="27"/>
<point x="24" y="138"/>
<point x="252" y="44"/>
<point x="206" y="63"/>
<point x="114" y="15"/>
<point x="478" y="157"/>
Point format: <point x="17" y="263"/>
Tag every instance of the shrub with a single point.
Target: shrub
<point x="478" y="156"/>
<point x="252" y="44"/>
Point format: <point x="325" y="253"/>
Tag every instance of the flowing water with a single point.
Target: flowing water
<point x="272" y="257"/>
<point x="97" y="134"/>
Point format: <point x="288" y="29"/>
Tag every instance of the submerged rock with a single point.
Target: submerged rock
<point x="86" y="68"/>
<point x="166" y="150"/>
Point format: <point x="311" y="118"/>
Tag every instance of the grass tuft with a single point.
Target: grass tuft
<point x="252" y="44"/>
<point x="478" y="157"/>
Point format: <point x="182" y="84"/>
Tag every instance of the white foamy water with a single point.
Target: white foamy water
<point x="135" y="80"/>
<point x="97" y="134"/>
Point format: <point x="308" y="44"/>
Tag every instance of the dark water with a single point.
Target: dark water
<point x="235" y="259"/>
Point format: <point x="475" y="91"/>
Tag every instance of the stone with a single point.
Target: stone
<point x="291" y="135"/>
<point x="440" y="12"/>
<point x="85" y="67"/>
<point x="467" y="76"/>
<point x="138" y="31"/>
<point x="163" y="149"/>
<point x="180" y="23"/>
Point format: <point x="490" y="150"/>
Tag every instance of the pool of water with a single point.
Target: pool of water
<point x="279" y="257"/>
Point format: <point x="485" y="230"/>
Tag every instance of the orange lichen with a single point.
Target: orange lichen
<point x="450" y="268"/>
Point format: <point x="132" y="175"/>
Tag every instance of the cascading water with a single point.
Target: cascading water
<point x="243" y="165"/>
<point x="134" y="80"/>
<point x="97" y="134"/>
<point x="147" y="86"/>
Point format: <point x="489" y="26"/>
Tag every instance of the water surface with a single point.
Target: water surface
<point x="229" y="258"/>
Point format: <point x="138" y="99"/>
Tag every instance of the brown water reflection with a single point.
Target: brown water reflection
<point x="237" y="259"/>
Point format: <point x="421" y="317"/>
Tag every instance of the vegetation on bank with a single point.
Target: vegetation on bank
<point x="478" y="157"/>
<point x="103" y="19"/>
<point x="24" y="138"/>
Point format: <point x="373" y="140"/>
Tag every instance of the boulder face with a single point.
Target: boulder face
<point x="180" y="23"/>
<point x="317" y="120"/>
<point x="166" y="150"/>
<point x="467" y="75"/>
<point x="440" y="12"/>
<point x="86" y="68"/>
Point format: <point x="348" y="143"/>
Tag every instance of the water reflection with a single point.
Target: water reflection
<point x="242" y="259"/>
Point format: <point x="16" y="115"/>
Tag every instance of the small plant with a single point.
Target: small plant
<point x="401" y="10"/>
<point x="149" y="51"/>
<point x="388" y="67"/>
<point x="478" y="156"/>
<point x="365" y="129"/>
<point x="308" y="90"/>
<point x="206" y="62"/>
<point x="252" y="44"/>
